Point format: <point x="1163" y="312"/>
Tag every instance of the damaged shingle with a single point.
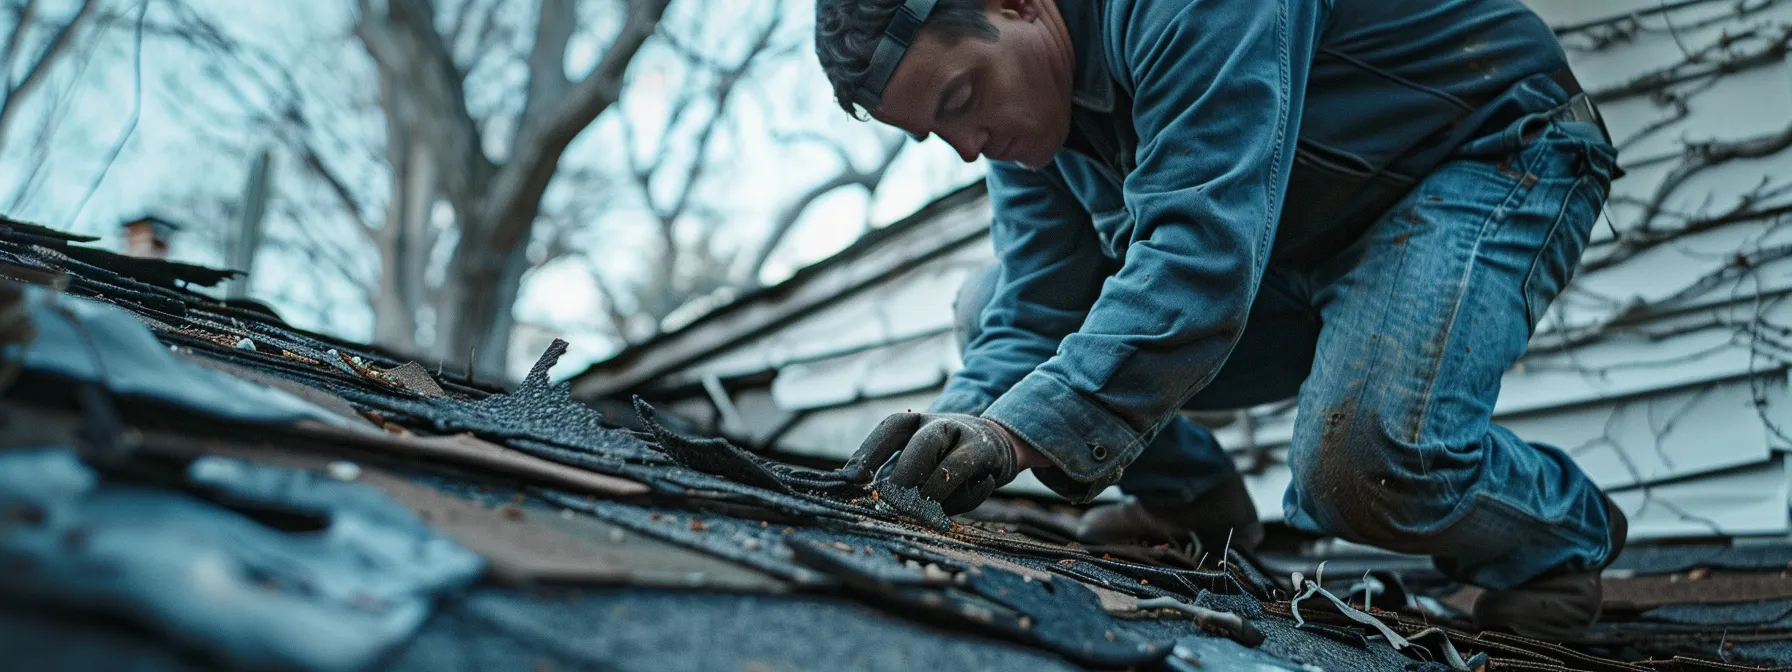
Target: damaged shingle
<point x="836" y="535"/>
<point x="710" y="456"/>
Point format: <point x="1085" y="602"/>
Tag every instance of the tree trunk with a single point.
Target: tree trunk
<point x="404" y="239"/>
<point x="486" y="268"/>
<point x="495" y="204"/>
<point x="485" y="274"/>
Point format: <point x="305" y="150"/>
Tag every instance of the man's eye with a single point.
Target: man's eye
<point x="961" y="100"/>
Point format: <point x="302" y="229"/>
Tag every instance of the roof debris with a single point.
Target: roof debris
<point x="547" y="491"/>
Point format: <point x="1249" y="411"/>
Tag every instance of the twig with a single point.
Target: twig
<point x="130" y="128"/>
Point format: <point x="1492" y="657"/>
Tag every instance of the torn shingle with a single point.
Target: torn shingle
<point x="710" y="456"/>
<point x="412" y="376"/>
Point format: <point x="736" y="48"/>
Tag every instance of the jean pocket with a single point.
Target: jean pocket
<point x="1560" y="252"/>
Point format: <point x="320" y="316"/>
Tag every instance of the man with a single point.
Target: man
<point x="1200" y="204"/>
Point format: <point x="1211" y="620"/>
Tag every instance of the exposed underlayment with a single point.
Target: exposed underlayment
<point x="606" y="547"/>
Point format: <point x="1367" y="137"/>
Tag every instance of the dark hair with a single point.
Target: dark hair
<point x="847" y="31"/>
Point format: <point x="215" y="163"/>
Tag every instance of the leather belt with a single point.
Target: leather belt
<point x="1580" y="106"/>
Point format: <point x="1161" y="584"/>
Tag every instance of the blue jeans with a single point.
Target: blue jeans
<point x="1395" y="349"/>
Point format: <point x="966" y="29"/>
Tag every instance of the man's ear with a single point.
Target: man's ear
<point x="1025" y="10"/>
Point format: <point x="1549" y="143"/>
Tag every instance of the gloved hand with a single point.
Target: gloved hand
<point x="954" y="459"/>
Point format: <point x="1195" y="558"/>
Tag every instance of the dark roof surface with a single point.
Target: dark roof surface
<point x="614" y="548"/>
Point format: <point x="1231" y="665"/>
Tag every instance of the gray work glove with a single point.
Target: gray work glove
<point x="954" y="459"/>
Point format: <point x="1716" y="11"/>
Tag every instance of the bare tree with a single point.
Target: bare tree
<point x="670" y="179"/>
<point x="34" y="66"/>
<point x="52" y="61"/>
<point x="437" y="152"/>
<point x="850" y="175"/>
<point x="476" y="114"/>
<point x="27" y="72"/>
<point x="689" y="267"/>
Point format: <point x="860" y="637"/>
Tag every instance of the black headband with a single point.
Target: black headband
<point x="897" y="38"/>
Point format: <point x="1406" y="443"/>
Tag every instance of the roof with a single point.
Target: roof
<point x="605" y="547"/>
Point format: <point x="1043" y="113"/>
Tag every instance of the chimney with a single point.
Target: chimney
<point x="148" y="237"/>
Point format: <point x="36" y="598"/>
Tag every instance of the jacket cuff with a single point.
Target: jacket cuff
<point x="1087" y="445"/>
<point x="960" y="400"/>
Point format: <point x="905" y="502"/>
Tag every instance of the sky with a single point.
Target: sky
<point x="188" y="144"/>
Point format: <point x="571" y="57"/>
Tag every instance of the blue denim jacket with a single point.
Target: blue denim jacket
<point x="1130" y="263"/>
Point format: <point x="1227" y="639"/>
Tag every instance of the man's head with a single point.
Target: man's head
<point x="990" y="77"/>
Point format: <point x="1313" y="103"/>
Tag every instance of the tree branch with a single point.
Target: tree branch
<point x="547" y="59"/>
<point x="544" y="133"/>
<point x="43" y="137"/>
<point x="412" y="56"/>
<point x="458" y="25"/>
<point x="559" y="124"/>
<point x="681" y="105"/>
<point x="723" y="91"/>
<point x="1703" y="156"/>
<point x="1678" y="101"/>
<point x="41" y="64"/>
<point x="849" y="176"/>
<point x="130" y="127"/>
<point x="317" y="251"/>
<point x="338" y="188"/>
<point x="663" y="292"/>
<point x="1698" y="64"/>
<point x="488" y="33"/>
<point x="1632" y="244"/>
<point x="22" y="18"/>
<point x="612" y="311"/>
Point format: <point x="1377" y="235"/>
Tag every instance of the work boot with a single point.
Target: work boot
<point x="1225" y="511"/>
<point x="1557" y="606"/>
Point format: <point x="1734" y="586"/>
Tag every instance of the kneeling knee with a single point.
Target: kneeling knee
<point x="1367" y="479"/>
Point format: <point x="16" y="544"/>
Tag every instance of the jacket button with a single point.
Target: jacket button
<point x="1098" y="451"/>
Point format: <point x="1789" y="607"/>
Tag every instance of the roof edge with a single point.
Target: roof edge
<point x="585" y="383"/>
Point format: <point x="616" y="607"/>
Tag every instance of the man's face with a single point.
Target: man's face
<point x="1007" y="100"/>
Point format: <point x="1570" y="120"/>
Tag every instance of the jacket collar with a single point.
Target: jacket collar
<point x="1094" y="85"/>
